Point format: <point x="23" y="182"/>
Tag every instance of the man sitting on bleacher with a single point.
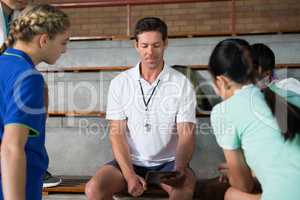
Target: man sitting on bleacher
<point x="151" y="112"/>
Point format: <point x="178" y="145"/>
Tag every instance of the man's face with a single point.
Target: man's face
<point x="151" y="47"/>
<point x="16" y="4"/>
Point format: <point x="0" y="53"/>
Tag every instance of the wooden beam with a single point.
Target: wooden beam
<point x="288" y="65"/>
<point x="76" y="114"/>
<point x="96" y="114"/>
<point x="173" y="35"/>
<point x="122" y="68"/>
<point x="102" y="68"/>
<point x="269" y="31"/>
<point x="85" y="69"/>
<point x="109" y="3"/>
<point x="188" y="34"/>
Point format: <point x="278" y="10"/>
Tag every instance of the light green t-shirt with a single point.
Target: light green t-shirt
<point x="244" y="121"/>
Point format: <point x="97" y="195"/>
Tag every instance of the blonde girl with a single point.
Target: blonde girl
<point x="39" y="34"/>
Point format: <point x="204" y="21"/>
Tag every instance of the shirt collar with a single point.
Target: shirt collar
<point x="19" y="54"/>
<point x="163" y="75"/>
<point x="244" y="87"/>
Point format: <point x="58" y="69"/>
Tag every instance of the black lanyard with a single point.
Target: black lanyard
<point x="144" y="99"/>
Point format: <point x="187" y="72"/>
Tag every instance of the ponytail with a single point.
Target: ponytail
<point x="9" y="42"/>
<point x="286" y="114"/>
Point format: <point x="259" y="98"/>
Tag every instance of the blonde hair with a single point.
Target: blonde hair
<point x="36" y="20"/>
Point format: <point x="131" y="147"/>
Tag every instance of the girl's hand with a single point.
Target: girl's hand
<point x="223" y="169"/>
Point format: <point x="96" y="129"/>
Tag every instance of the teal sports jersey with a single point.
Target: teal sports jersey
<point x="244" y="121"/>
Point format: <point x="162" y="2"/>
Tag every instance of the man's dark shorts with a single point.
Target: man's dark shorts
<point x="142" y="171"/>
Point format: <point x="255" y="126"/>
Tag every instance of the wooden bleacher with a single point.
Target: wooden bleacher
<point x="101" y="114"/>
<point x="207" y="189"/>
<point x="69" y="184"/>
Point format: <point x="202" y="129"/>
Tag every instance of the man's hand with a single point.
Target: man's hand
<point x="136" y="185"/>
<point x="177" y="180"/>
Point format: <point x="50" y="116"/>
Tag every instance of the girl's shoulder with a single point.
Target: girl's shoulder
<point x="289" y="84"/>
<point x="289" y="89"/>
<point x="243" y="104"/>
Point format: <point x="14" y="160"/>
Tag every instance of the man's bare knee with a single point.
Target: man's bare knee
<point x="95" y="190"/>
<point x="91" y="191"/>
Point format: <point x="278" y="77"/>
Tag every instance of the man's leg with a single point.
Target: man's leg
<point x="107" y="182"/>
<point x="184" y="191"/>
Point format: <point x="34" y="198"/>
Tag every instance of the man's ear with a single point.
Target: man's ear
<point x="166" y="42"/>
<point x="43" y="40"/>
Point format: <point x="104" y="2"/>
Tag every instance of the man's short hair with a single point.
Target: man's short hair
<point x="151" y="24"/>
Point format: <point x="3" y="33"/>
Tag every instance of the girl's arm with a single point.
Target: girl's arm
<point x="13" y="161"/>
<point x="239" y="174"/>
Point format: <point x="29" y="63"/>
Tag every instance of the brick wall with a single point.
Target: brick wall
<point x="204" y="17"/>
<point x="268" y="15"/>
<point x="252" y="16"/>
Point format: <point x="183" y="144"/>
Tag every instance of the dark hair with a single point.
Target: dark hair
<point x="151" y="24"/>
<point x="263" y="57"/>
<point x="232" y="58"/>
<point x="286" y="114"/>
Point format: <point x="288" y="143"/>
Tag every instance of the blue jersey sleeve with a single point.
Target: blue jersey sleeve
<point x="25" y="102"/>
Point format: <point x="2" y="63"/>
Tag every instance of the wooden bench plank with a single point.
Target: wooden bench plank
<point x="206" y="189"/>
<point x="100" y="114"/>
<point x="76" y="114"/>
<point x="69" y="184"/>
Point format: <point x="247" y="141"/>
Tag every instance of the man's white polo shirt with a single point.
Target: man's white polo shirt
<point x="173" y="101"/>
